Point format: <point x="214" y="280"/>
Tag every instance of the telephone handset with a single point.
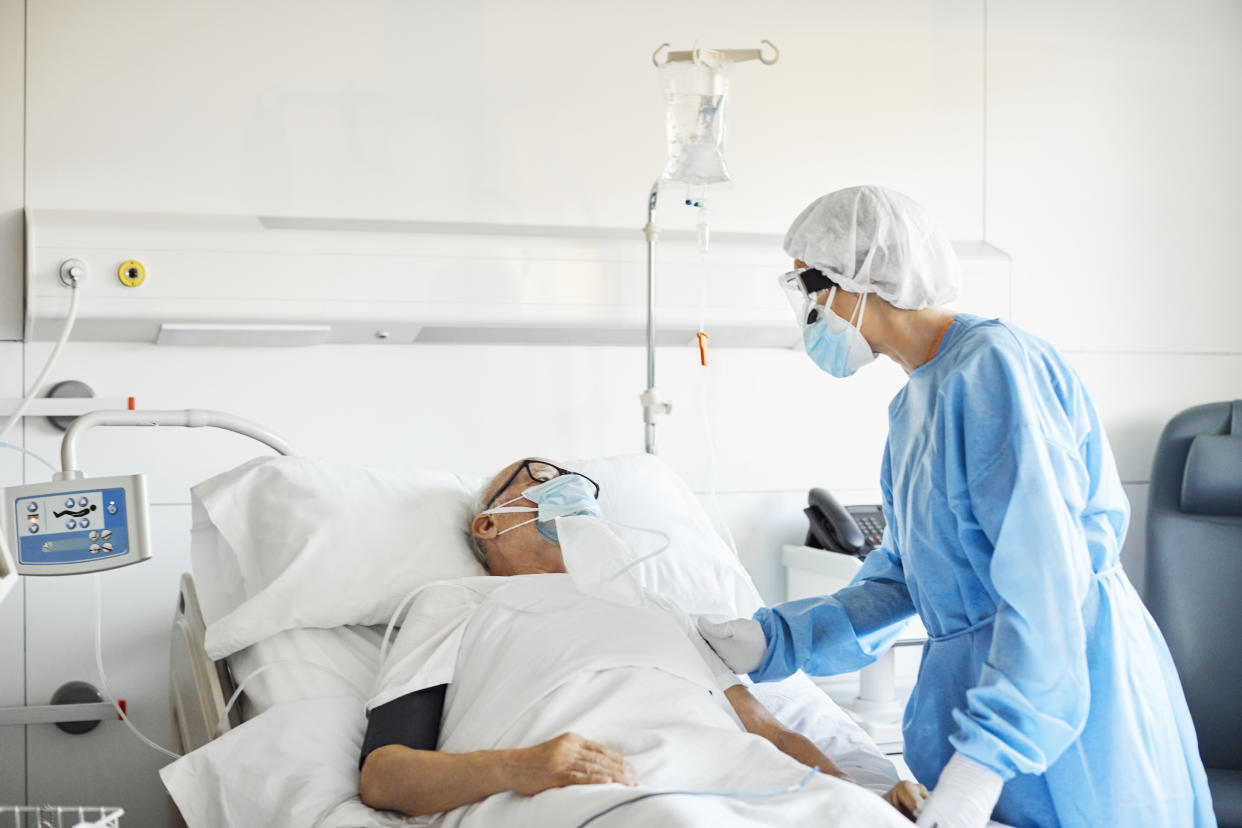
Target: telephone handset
<point x="852" y="530"/>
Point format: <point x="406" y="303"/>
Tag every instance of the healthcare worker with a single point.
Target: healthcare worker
<point x="1046" y="695"/>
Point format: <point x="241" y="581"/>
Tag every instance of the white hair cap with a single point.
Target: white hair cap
<point x="872" y="240"/>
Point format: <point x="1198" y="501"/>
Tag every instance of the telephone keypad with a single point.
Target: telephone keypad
<point x="870" y="520"/>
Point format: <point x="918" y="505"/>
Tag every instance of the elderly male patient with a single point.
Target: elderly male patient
<point x="402" y="767"/>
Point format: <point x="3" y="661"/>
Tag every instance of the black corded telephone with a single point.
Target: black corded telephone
<point x="852" y="530"/>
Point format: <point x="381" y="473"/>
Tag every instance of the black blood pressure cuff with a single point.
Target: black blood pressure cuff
<point x="412" y="720"/>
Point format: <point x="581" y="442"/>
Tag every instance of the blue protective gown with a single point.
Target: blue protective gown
<point x="1005" y="519"/>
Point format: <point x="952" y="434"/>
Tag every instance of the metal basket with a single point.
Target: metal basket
<point x="59" y="816"/>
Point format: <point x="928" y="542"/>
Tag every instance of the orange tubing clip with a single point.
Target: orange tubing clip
<point x="703" y="348"/>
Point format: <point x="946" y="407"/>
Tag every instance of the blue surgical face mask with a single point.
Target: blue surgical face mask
<point x="835" y="345"/>
<point x="564" y="495"/>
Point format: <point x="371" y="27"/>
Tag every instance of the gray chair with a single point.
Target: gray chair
<point x="1194" y="582"/>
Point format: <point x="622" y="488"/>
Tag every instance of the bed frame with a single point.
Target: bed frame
<point x="199" y="687"/>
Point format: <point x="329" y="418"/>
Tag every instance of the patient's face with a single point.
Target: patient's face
<point x="520" y="551"/>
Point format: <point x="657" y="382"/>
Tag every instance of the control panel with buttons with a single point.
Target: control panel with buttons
<point x="84" y="525"/>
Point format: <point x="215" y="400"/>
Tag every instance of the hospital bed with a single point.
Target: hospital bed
<point x="299" y="566"/>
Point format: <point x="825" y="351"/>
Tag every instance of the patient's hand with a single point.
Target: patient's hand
<point x="569" y="759"/>
<point x="906" y="796"/>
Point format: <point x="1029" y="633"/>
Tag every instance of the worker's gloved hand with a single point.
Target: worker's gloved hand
<point x="964" y="797"/>
<point x="739" y="642"/>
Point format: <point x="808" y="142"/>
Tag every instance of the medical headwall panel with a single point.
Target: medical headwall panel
<point x="272" y="280"/>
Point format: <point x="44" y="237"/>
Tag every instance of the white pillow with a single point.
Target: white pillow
<point x="698" y="571"/>
<point x="285" y="542"/>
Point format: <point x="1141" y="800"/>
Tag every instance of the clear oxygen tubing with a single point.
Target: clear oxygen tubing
<point x="224" y="714"/>
<point x="651" y="233"/>
<point x="788" y="789"/>
<point x="70" y="318"/>
<point x="641" y="558"/>
<point x="400" y="611"/>
<point x="111" y="697"/>
<point x="386" y="641"/>
<point x="103" y="680"/>
<point x="188" y="418"/>
<point x="29" y="454"/>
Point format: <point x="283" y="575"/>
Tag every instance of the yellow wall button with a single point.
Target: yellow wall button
<point x="131" y="273"/>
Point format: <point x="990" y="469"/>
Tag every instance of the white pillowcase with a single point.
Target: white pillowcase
<point x="697" y="571"/>
<point x="280" y="543"/>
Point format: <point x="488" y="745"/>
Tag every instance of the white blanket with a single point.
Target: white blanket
<point x="530" y="657"/>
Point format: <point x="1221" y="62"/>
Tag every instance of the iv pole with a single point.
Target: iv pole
<point x="653" y="406"/>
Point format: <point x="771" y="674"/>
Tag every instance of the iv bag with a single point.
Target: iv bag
<point x="695" y="93"/>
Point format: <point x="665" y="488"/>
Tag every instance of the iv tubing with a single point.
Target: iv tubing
<point x="725" y="794"/>
<point x="28" y="453"/>
<point x="224" y="714"/>
<point x="103" y="681"/>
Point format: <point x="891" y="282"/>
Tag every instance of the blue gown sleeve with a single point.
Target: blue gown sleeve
<point x="1026" y="485"/>
<point x="844" y="631"/>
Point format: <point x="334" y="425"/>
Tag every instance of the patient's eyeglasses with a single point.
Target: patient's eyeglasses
<point x="540" y="471"/>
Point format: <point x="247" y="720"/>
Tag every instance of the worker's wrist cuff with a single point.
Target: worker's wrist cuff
<point x="969" y="779"/>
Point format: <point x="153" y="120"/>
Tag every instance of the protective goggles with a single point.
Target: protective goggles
<point x="540" y="471"/>
<point x="801" y="288"/>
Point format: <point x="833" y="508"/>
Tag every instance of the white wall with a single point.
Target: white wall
<point x="12" y="143"/>
<point x="1097" y="149"/>
<point x="1112" y="180"/>
<point x="491" y="111"/>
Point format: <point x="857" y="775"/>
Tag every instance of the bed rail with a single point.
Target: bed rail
<point x="199" y="687"/>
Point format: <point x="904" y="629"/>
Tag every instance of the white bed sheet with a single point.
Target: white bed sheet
<point x="296" y="755"/>
<point x="353" y="652"/>
<point x="530" y="657"/>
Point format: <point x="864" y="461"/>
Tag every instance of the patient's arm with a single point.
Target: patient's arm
<point x="905" y="796"/>
<point x="756" y="719"/>
<point x="398" y="778"/>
